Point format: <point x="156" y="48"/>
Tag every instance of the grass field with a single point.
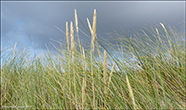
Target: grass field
<point x="146" y="71"/>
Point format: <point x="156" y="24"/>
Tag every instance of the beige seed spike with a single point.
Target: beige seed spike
<point x="93" y="30"/>
<point x="76" y="21"/>
<point x="131" y="93"/>
<point x="67" y="35"/>
<point x="90" y="28"/>
<point x="72" y="41"/>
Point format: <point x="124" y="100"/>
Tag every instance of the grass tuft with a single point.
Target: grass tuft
<point x="145" y="71"/>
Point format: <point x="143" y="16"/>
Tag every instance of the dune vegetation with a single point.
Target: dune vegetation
<point x="144" y="71"/>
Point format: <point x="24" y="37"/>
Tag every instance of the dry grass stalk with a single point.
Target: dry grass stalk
<point x="73" y="57"/>
<point x="77" y="30"/>
<point x="94" y="98"/>
<point x="164" y="28"/>
<point x="131" y="93"/>
<point x="76" y="21"/>
<point x="67" y="35"/>
<point x="83" y="61"/>
<point x="93" y="30"/>
<point x="167" y="35"/>
<point x="111" y="73"/>
<point x="158" y="35"/>
<point x="72" y="41"/>
<point x="83" y="92"/>
<point x="93" y="33"/>
<point x="93" y="40"/>
<point x="105" y="71"/>
<point x="99" y="54"/>
<point x="94" y="23"/>
<point x="89" y="26"/>
<point x="15" y="47"/>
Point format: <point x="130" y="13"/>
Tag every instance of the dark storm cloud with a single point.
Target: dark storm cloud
<point x="23" y="20"/>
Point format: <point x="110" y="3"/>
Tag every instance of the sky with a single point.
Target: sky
<point x="32" y="24"/>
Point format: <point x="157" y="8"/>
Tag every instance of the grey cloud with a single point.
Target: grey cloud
<point x="23" y="20"/>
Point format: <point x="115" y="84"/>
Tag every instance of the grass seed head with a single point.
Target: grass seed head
<point x="67" y="35"/>
<point x="89" y="26"/>
<point x="93" y="30"/>
<point x="164" y="28"/>
<point x="131" y="93"/>
<point x="76" y="21"/>
<point x="94" y="24"/>
<point x="72" y="40"/>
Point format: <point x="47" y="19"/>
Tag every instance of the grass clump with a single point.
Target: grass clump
<point x="147" y="72"/>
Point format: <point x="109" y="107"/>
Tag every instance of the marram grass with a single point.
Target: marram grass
<point x="146" y="71"/>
